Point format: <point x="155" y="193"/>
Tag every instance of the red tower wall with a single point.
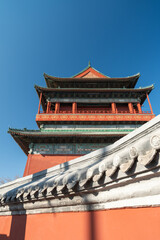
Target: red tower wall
<point x="37" y="162"/>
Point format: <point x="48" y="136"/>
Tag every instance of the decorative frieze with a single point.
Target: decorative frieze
<point x="94" y="117"/>
<point x="93" y="100"/>
<point x="62" y="149"/>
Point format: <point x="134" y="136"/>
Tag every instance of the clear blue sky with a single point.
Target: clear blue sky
<point x="59" y="37"/>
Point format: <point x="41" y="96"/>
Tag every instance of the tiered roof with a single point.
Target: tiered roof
<point x="90" y="75"/>
<point x="92" y="81"/>
<point x="121" y="87"/>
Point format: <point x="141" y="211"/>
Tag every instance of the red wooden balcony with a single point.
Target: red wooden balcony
<point x="75" y="112"/>
<point x="125" y="116"/>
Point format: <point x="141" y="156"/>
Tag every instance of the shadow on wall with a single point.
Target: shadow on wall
<point x="18" y="224"/>
<point x="18" y="227"/>
<point x="17" y="230"/>
<point x="3" y="237"/>
<point x="92" y="226"/>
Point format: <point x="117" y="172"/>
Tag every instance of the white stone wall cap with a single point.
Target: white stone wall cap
<point x="128" y="160"/>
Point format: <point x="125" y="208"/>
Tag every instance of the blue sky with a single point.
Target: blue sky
<point x="59" y="37"/>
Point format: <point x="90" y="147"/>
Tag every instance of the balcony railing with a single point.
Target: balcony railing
<point x="96" y="112"/>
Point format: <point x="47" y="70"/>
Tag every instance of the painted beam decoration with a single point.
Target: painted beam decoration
<point x="124" y="174"/>
<point x="94" y="117"/>
<point x="62" y="149"/>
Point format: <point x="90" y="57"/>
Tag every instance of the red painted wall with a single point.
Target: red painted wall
<point x="119" y="224"/>
<point x="37" y="162"/>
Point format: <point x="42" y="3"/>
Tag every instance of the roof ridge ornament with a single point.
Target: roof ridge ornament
<point x="89" y="63"/>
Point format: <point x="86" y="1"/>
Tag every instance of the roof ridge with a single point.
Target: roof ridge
<point x="81" y="71"/>
<point x="100" y="72"/>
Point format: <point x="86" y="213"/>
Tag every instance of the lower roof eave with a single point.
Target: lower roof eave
<point x="23" y="139"/>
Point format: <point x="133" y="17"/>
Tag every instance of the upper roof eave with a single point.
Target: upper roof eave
<point x="45" y="89"/>
<point x="39" y="90"/>
<point x="53" y="78"/>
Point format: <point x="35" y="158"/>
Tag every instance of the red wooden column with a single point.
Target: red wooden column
<point x="130" y="106"/>
<point x="40" y="99"/>
<point x="48" y="105"/>
<point x="113" y="105"/>
<point x="139" y="108"/>
<point x="57" y="107"/>
<point x="74" y="107"/>
<point x="149" y="103"/>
